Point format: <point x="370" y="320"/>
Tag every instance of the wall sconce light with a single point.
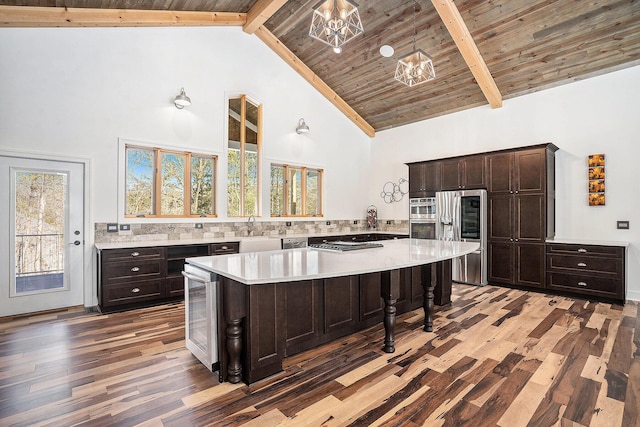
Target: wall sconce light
<point x="182" y="100"/>
<point x="302" y="127"/>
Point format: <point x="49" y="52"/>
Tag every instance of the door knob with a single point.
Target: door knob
<point x="75" y="242"/>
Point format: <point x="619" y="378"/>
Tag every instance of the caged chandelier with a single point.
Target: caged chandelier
<point x="417" y="67"/>
<point x="335" y="22"/>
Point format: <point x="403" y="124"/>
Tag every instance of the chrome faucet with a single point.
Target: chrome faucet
<point x="250" y="222"/>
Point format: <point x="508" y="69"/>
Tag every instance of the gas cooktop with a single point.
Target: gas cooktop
<point x="340" y="246"/>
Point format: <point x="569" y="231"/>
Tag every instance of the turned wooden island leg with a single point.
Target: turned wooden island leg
<point x="234" y="350"/>
<point x="390" y="292"/>
<point x="389" y="326"/>
<point x="234" y="310"/>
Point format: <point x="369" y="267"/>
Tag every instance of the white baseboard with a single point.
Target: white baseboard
<point x="633" y="295"/>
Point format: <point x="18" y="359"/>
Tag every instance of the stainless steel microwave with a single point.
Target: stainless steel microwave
<point x="422" y="208"/>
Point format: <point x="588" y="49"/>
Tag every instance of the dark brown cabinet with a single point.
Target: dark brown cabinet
<point x="521" y="192"/>
<point x="463" y="173"/>
<point x="133" y="277"/>
<point x="175" y="265"/>
<point x="340" y="305"/>
<point x="265" y="332"/>
<point x="589" y="270"/>
<point x="371" y="304"/>
<point x="517" y="219"/>
<point x="424" y="179"/>
<point x="519" y="172"/>
<point x="302" y="302"/>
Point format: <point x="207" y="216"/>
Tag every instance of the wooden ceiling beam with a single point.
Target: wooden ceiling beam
<point x="260" y="13"/>
<point x="283" y="52"/>
<point x="460" y="34"/>
<point x="26" y="16"/>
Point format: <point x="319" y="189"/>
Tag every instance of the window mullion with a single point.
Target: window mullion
<point x="287" y="211"/>
<point x="303" y="190"/>
<point x="187" y="185"/>
<point x="158" y="183"/>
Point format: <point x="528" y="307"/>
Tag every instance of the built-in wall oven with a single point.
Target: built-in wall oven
<point x="422" y="218"/>
<point x="422" y="229"/>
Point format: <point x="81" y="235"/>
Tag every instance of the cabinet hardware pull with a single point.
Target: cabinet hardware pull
<point x="135" y="290"/>
<point x="135" y="253"/>
<point x="224" y="248"/>
<point x="582" y="264"/>
<point x="582" y="283"/>
<point x="582" y="250"/>
<point x="134" y="269"/>
<point x="517" y="240"/>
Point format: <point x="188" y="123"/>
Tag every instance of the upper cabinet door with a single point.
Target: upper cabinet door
<point x="530" y="171"/>
<point x="473" y="172"/>
<point x="500" y="173"/>
<point x="417" y="183"/>
<point x="461" y="173"/>
<point x="424" y="179"/>
<point x="449" y="174"/>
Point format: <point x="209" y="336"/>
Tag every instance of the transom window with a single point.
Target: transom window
<point x="295" y="191"/>
<point x="165" y="183"/>
<point x="243" y="164"/>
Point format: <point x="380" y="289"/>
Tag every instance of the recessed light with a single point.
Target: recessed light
<point x="386" y="51"/>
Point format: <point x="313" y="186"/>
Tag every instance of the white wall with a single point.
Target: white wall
<point x="597" y="115"/>
<point x="74" y="92"/>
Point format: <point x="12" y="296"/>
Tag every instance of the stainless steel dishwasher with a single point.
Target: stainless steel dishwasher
<point x="294" y="242"/>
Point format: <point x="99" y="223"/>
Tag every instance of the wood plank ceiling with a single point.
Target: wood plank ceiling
<point x="527" y="45"/>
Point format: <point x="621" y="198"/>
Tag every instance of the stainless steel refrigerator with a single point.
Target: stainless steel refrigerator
<point x="462" y="216"/>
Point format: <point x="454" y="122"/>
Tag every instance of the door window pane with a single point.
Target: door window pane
<point x="40" y="214"/>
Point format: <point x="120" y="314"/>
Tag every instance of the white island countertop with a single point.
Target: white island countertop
<point x="289" y="265"/>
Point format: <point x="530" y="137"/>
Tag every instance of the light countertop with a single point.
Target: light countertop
<point x="289" y="265"/>
<point x="572" y="241"/>
<point x="205" y="240"/>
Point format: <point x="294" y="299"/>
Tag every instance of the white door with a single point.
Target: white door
<point x="43" y="256"/>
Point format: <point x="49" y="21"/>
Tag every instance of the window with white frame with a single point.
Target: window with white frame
<point x="295" y="191"/>
<point x="243" y="161"/>
<point x="167" y="183"/>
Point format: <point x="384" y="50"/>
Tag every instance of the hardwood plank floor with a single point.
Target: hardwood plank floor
<point x="497" y="357"/>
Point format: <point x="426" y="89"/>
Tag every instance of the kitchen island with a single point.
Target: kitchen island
<point x="269" y="305"/>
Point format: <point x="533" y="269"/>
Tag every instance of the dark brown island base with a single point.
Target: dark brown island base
<point x="273" y="304"/>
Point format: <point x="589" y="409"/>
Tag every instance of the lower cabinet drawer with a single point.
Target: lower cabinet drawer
<point x="111" y="255"/>
<point x="128" y="293"/>
<point x="589" y="265"/>
<point x="132" y="270"/>
<point x="585" y="284"/>
<point x="225" y="248"/>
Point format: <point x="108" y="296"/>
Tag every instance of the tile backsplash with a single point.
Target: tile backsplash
<point x="183" y="231"/>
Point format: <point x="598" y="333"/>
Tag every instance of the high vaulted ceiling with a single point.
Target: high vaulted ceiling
<point x="516" y="46"/>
